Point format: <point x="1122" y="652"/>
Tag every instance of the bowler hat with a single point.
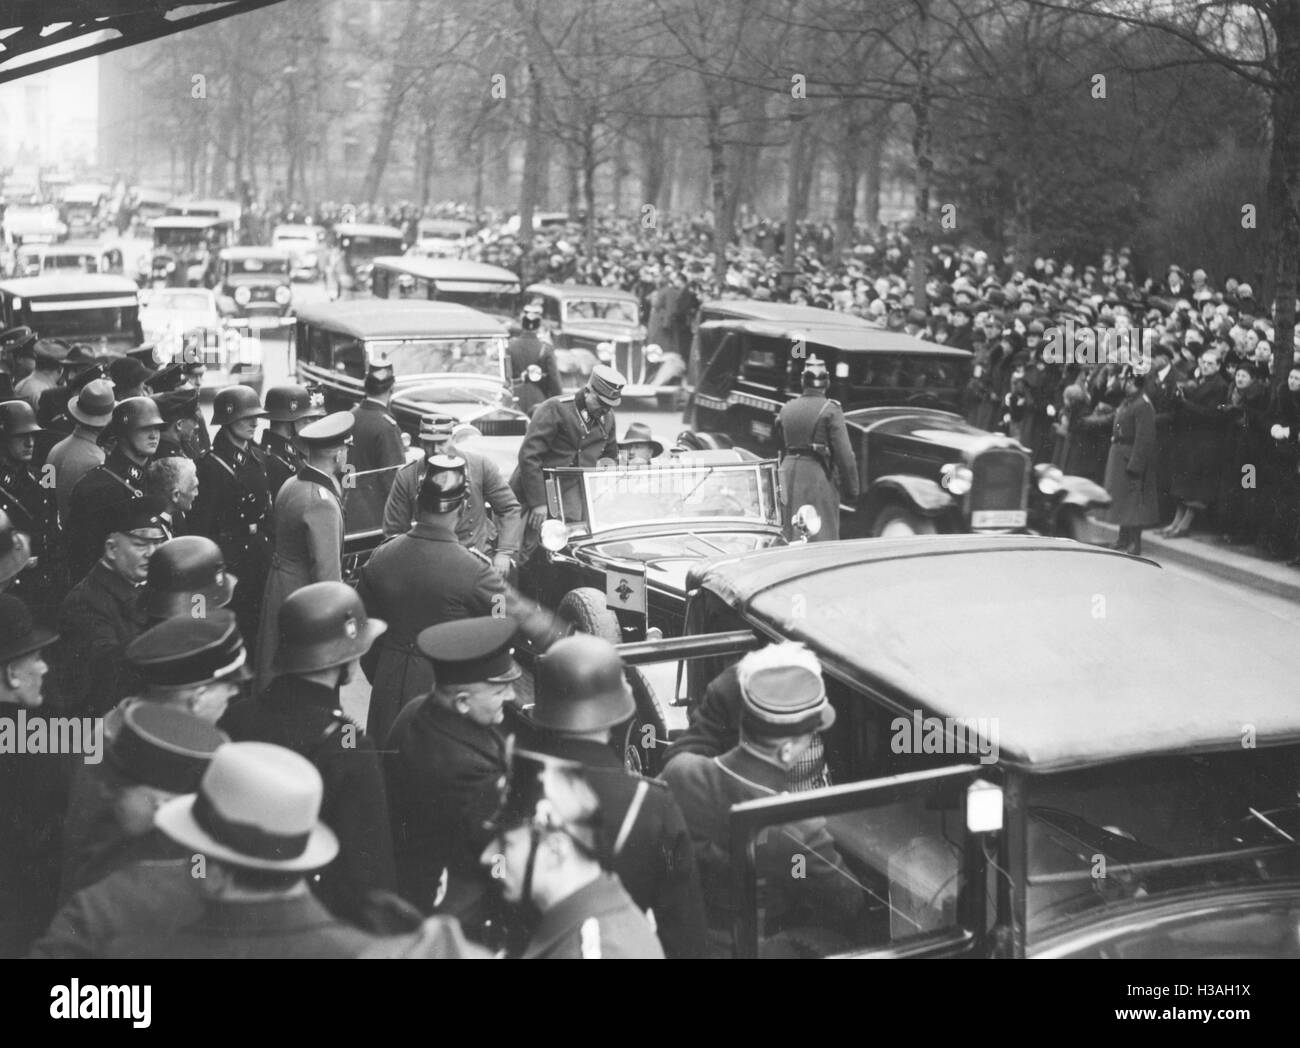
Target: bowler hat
<point x="93" y="405"/>
<point x="257" y="807"/>
<point x="128" y="373"/>
<point x="19" y="635"/>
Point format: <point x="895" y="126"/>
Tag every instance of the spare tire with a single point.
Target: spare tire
<point x="585" y="610"/>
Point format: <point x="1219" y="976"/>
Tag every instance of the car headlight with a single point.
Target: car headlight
<point x="170" y="267"/>
<point x="1048" y="478"/>
<point x="554" y="535"/>
<point x="282" y="295"/>
<point x="654" y="353"/>
<point x="242" y="295"/>
<point x="605" y="351"/>
<point x="956" y="478"/>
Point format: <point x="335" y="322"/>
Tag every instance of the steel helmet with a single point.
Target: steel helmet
<point x="181" y="570"/>
<point x="136" y="413"/>
<point x="293" y="403"/>
<point x="321" y="626"/>
<point x="17" y="419"/>
<point x="234" y="403"/>
<point x="581" y="686"/>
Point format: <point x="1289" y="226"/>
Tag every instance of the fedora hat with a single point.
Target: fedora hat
<point x="639" y="433"/>
<point x="19" y="635"/>
<point x="257" y="807"/>
<point x="93" y="406"/>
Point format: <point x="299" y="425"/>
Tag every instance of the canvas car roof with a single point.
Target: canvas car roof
<point x="447" y="269"/>
<point x="865" y="339"/>
<point x="400" y="318"/>
<point x="1079" y="655"/>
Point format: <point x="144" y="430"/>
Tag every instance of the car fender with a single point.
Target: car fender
<point x="1080" y="491"/>
<point x="923" y="495"/>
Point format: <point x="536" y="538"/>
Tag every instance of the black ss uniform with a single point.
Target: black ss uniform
<point x="33" y="508"/>
<point x="282" y="461"/>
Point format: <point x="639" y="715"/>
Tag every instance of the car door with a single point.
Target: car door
<point x="888" y="868"/>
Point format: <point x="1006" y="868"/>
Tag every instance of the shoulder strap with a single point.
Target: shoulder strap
<point x="629" y="820"/>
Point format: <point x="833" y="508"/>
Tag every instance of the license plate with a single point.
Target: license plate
<point x="762" y="430"/>
<point x="998" y="518"/>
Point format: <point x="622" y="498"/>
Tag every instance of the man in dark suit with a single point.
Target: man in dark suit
<point x="444" y="761"/>
<point x="377" y="452"/>
<point x="581" y="696"/>
<point x="574" y="430"/>
<point x="418" y="580"/>
<point x="324" y="630"/>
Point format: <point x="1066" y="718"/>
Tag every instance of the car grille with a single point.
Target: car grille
<point x="998" y="480"/>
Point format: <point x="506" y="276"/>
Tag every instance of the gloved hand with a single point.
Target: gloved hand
<point x="535" y="517"/>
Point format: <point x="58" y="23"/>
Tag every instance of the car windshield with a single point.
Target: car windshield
<point x="191" y="239"/>
<point x="610" y="309"/>
<point x="370" y="247"/>
<point x="1108" y="834"/>
<point x="84" y="263"/>
<point x="258" y="265"/>
<point x="620" y="496"/>
<point x="464" y="356"/>
<point x="498" y="303"/>
<point x="85" y="323"/>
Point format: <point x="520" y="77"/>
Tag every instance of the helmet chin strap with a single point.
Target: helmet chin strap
<point x="534" y="840"/>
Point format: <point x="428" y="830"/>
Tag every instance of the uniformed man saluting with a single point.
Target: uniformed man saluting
<point x="574" y="430"/>
<point x="307" y="526"/>
<point x="816" y="453"/>
<point x="233" y="507"/>
<point x="288" y="409"/>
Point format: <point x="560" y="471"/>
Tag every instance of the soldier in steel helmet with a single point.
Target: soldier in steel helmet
<point x="31" y="501"/>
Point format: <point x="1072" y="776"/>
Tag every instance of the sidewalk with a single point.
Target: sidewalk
<point x="1206" y="553"/>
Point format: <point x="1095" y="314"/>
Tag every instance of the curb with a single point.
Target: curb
<point x="1266" y="576"/>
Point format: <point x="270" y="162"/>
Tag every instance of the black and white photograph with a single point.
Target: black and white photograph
<point x="651" y="479"/>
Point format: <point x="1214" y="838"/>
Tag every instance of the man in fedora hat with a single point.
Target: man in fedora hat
<point x="377" y="450"/>
<point x="486" y="488"/>
<point x="255" y="820"/>
<point x="186" y="576"/>
<point x="100" y="616"/>
<point x="288" y="409"/>
<point x="443" y="761"/>
<point x="323" y="632"/>
<point x="307" y="525"/>
<point x="195" y="665"/>
<point x="78" y="453"/>
<point x="129" y="376"/>
<point x="582" y="696"/>
<point x="818" y="467"/>
<point x="545" y="855"/>
<point x="33" y="787"/>
<point x="233" y="507"/>
<point x="574" y="430"/>
<point x="141" y="880"/>
<point x="418" y="580"/>
<point x="181" y="417"/>
<point x="784" y="708"/>
<point x="137" y="425"/>
<point x="638" y="446"/>
<point x="33" y="506"/>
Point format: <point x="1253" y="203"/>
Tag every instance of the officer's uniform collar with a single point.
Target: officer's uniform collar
<point x="437" y="531"/>
<point x="315" y="476"/>
<point x="223" y="446"/>
<point x="601" y="896"/>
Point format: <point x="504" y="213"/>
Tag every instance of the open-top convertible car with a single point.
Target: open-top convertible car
<point x="1041" y="749"/>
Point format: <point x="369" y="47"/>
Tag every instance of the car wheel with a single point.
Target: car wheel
<point x="894" y="522"/>
<point x="584" y="609"/>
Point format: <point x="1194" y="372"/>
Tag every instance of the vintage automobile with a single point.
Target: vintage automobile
<point x="306" y="245"/>
<point x="103" y="311"/>
<point x="1013" y="776"/>
<point x="188" y="324"/>
<point x="489" y="289"/>
<point x="228" y="211"/>
<point x="447" y="359"/>
<point x="601" y="325"/>
<point x="84" y="208"/>
<point x="184" y="251"/>
<point x="353" y="250"/>
<point x="441" y="237"/>
<point x="147" y="202"/>
<point x="254" y="281"/>
<point x="921" y="468"/>
<point x="34" y="260"/>
<point x="33" y="224"/>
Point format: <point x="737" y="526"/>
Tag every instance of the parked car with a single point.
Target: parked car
<point x="184" y="251"/>
<point x="1078" y="769"/>
<point x="254" y="281"/>
<point x="442" y="238"/>
<point x="188" y="324"/>
<point x="52" y="259"/>
<point x="83" y="207"/>
<point x="921" y="467"/>
<point x="103" y="311"/>
<point x="489" y="289"/>
<point x="306" y="246"/>
<point x="601" y="325"/>
<point x="353" y="249"/>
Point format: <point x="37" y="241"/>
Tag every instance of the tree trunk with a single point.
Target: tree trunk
<point x="389" y="115"/>
<point x="589" y="189"/>
<point x="921" y="143"/>
<point x="873" y="162"/>
<point x="532" y="167"/>
<point x="805" y="171"/>
<point x="718" y="189"/>
<point x="846" y="189"/>
<point x="1285" y="160"/>
<point x="798" y="136"/>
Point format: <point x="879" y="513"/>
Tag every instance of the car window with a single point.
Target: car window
<point x="380" y="282"/>
<point x="550" y="308"/>
<point x="348" y="356"/>
<point x="720" y="373"/>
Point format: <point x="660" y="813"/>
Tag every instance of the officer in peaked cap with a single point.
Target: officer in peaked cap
<point x="233" y="507"/>
<point x="33" y="506"/>
<point x="574" y="430"/>
<point x="323" y="630"/>
<point x="546" y="852"/>
<point x="289" y="408"/>
<point x="583" y="703"/>
<point x="444" y="760"/>
<point x="377" y="450"/>
<point x="307" y="526"/>
<point x="818" y="467"/>
<point x="178" y="409"/>
<point x="137" y="425"/>
<point x="417" y="580"/>
<point x="187" y="576"/>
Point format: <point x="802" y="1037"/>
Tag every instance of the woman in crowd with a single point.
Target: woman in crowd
<point x="1198" y="437"/>
<point x="1282" y="530"/>
<point x="1247" y="448"/>
<point x="1131" y="465"/>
